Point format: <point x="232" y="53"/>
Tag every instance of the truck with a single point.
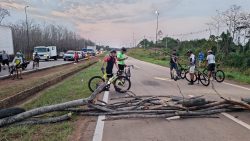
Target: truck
<point x="6" y="41"/>
<point x="46" y="52"/>
<point x="91" y="50"/>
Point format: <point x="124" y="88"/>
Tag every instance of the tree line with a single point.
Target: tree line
<point x="231" y="46"/>
<point x="43" y="35"/>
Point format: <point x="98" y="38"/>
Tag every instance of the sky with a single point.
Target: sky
<point x="120" y="23"/>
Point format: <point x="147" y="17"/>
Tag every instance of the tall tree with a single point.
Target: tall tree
<point x="3" y="14"/>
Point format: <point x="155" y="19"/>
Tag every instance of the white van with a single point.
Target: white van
<point x="46" y="53"/>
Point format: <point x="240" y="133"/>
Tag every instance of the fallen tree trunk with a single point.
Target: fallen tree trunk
<point x="52" y="108"/>
<point x="46" y="121"/>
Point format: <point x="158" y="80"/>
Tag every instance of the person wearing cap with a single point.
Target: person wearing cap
<point x="110" y="61"/>
<point x="210" y="63"/>
<point x="121" y="59"/>
<point x="192" y="63"/>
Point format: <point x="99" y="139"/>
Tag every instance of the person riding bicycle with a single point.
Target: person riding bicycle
<point x="121" y="59"/>
<point x="18" y="61"/>
<point x="173" y="63"/>
<point x="36" y="59"/>
<point x="210" y="63"/>
<point x="192" y="63"/>
<point x="111" y="61"/>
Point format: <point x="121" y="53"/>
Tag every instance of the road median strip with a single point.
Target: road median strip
<point x="21" y="96"/>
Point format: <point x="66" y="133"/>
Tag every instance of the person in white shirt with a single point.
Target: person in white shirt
<point x="210" y="63"/>
<point x="192" y="63"/>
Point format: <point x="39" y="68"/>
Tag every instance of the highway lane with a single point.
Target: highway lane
<point x="150" y="79"/>
<point x="43" y="64"/>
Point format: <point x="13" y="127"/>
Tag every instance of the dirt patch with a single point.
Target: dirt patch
<point x="84" y="128"/>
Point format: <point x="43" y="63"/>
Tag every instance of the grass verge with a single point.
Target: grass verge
<point x="72" y="88"/>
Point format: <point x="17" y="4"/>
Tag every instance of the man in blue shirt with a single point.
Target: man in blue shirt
<point x="201" y="58"/>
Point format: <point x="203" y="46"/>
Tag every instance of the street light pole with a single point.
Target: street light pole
<point x="28" y="39"/>
<point x="157" y="26"/>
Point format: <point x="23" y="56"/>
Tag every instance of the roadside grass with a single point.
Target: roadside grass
<point x="72" y="88"/>
<point x="147" y="56"/>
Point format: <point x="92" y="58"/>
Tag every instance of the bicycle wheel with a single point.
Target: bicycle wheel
<point x="187" y="76"/>
<point x="219" y="76"/>
<point x="94" y="82"/>
<point x="204" y="79"/>
<point x="183" y="73"/>
<point x="122" y="84"/>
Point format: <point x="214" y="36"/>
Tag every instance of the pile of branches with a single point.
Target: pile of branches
<point x="125" y="107"/>
<point x="169" y="107"/>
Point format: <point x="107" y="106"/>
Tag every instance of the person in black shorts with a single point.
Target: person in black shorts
<point x="173" y="63"/>
<point x="5" y="61"/>
<point x="110" y="60"/>
<point x="210" y="63"/>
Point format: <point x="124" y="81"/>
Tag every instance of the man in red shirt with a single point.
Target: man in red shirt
<point x="110" y="60"/>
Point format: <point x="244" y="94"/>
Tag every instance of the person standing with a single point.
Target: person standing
<point x="201" y="58"/>
<point x="210" y="63"/>
<point x="173" y="64"/>
<point x="192" y="63"/>
<point x="36" y="59"/>
<point x="121" y="59"/>
<point x="110" y="61"/>
<point x="76" y="57"/>
<point x="5" y="58"/>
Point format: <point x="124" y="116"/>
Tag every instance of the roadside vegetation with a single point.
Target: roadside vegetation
<point x="231" y="47"/>
<point x="161" y="58"/>
<point x="72" y="88"/>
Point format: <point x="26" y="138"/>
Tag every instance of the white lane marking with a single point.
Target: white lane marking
<point x="236" y="86"/>
<point x="237" y="120"/>
<point x="164" y="79"/>
<point x="100" y="123"/>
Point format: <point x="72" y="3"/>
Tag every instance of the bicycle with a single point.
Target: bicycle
<point x="198" y="76"/>
<point x="126" y="71"/>
<point x="217" y="74"/>
<point x="182" y="71"/>
<point x="121" y="83"/>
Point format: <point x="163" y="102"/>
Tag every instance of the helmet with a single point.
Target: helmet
<point x="113" y="51"/>
<point x="124" y="49"/>
<point x="210" y="51"/>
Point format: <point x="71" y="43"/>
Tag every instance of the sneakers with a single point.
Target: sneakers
<point x="191" y="83"/>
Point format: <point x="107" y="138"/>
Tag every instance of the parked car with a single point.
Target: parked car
<point x="46" y="52"/>
<point x="69" y="55"/>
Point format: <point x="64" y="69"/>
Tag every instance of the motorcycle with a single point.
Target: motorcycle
<point x="25" y="64"/>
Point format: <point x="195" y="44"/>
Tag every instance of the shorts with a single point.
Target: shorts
<point x="5" y="62"/>
<point x="173" y="66"/>
<point x="109" y="73"/>
<point x="192" y="69"/>
<point x="211" y="67"/>
<point x="121" y="67"/>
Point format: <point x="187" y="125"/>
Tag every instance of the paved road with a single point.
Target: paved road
<point x="150" y="79"/>
<point x="43" y="64"/>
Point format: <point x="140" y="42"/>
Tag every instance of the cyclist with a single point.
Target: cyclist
<point x="173" y="64"/>
<point x="192" y="63"/>
<point x="18" y="61"/>
<point x="210" y="63"/>
<point x="111" y="61"/>
<point x="121" y="59"/>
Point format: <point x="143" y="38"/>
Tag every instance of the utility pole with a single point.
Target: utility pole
<point x="28" y="38"/>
